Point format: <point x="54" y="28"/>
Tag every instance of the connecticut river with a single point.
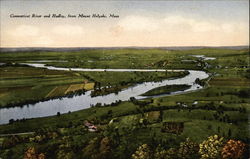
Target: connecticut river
<point x="64" y="105"/>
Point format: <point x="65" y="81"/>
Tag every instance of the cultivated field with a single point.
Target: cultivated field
<point x="162" y="125"/>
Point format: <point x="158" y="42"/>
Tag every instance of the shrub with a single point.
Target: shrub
<point x="161" y="153"/>
<point x="211" y="148"/>
<point x="143" y="152"/>
<point x="31" y="153"/>
<point x="12" y="141"/>
<point x="188" y="150"/>
<point x="233" y="149"/>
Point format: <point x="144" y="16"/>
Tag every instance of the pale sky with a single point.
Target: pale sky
<point x="140" y="23"/>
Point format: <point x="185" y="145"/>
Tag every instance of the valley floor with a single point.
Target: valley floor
<point x="179" y="126"/>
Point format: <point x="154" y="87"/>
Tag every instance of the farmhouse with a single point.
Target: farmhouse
<point x="90" y="127"/>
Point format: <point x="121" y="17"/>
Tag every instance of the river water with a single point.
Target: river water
<point x="64" y="105"/>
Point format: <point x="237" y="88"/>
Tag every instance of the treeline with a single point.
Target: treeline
<point x="21" y="104"/>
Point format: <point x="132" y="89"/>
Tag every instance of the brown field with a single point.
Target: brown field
<point x="154" y="115"/>
<point x="65" y="89"/>
<point x="74" y="87"/>
<point x="57" y="91"/>
<point x="3" y="94"/>
<point x="89" y="86"/>
<point x="230" y="82"/>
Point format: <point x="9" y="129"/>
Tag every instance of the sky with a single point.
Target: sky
<point x="140" y="23"/>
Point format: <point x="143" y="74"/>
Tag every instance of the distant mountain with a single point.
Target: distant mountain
<point x="33" y="49"/>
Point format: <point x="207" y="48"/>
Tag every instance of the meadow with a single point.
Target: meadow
<point x="159" y="127"/>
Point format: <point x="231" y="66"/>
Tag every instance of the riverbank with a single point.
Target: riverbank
<point x="52" y="107"/>
<point x="22" y="85"/>
<point x="164" y="122"/>
<point x="168" y="89"/>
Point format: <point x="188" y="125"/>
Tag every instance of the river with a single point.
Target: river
<point x="66" y="104"/>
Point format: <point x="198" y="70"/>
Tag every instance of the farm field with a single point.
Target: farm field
<point x="20" y="84"/>
<point x="41" y="84"/>
<point x="152" y="126"/>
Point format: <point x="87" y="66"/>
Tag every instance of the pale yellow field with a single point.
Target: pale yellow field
<point x="65" y="89"/>
<point x="89" y="86"/>
<point x="74" y="87"/>
<point x="154" y="115"/>
<point x="57" y="91"/>
<point x="3" y="94"/>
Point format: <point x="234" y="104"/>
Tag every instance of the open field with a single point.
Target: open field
<point x="222" y="108"/>
<point x="121" y="58"/>
<point x="20" y="85"/>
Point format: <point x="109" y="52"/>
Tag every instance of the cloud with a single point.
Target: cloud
<point x="193" y="24"/>
<point x="68" y="30"/>
<point x="177" y="20"/>
<point x="24" y="31"/>
<point x="171" y="23"/>
<point x="116" y="30"/>
<point x="138" y="23"/>
<point x="203" y="26"/>
<point x="43" y="40"/>
<point x="171" y="30"/>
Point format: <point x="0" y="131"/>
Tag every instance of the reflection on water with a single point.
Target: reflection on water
<point x="204" y="57"/>
<point x="97" y="69"/>
<point x="64" y="105"/>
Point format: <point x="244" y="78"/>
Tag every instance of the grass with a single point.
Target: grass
<point x="19" y="84"/>
<point x="57" y="91"/>
<point x="220" y="98"/>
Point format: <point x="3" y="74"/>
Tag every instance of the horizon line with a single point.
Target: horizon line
<point x="128" y="46"/>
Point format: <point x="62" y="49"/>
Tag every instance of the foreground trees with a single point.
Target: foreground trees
<point x="233" y="149"/>
<point x="211" y="148"/>
<point x="31" y="153"/>
<point x="214" y="147"/>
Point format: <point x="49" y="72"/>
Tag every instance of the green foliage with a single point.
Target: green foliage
<point x="98" y="148"/>
<point x="31" y="153"/>
<point x="211" y="148"/>
<point x="166" y="90"/>
<point x="65" y="148"/>
<point x="161" y="153"/>
<point x="143" y="152"/>
<point x="12" y="141"/>
<point x="222" y="107"/>
<point x="91" y="150"/>
<point x="188" y="150"/>
<point x="105" y="148"/>
<point x="65" y="155"/>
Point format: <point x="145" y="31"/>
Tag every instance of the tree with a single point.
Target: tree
<point x="64" y="154"/>
<point x="110" y="113"/>
<point x="91" y="150"/>
<point x="143" y="152"/>
<point x="188" y="150"/>
<point x="98" y="148"/>
<point x="143" y="122"/>
<point x="233" y="149"/>
<point x="65" y="148"/>
<point x="105" y="148"/>
<point x="161" y="153"/>
<point x="161" y="116"/>
<point x="211" y="148"/>
<point x="31" y="153"/>
<point x="218" y="129"/>
<point x="229" y="133"/>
